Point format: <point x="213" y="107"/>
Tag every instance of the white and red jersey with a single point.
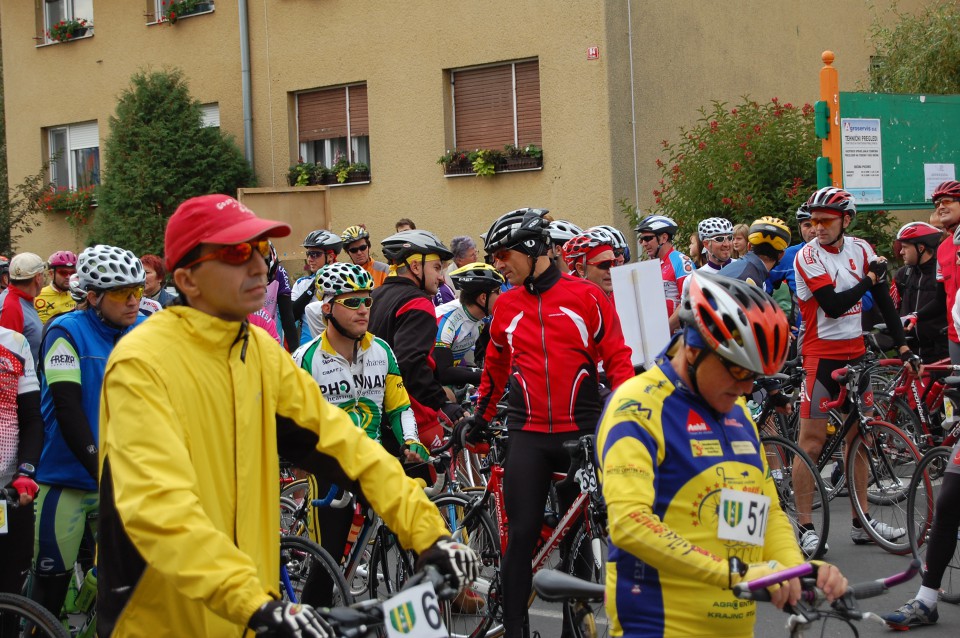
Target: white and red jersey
<point x="948" y="273"/>
<point x="819" y="266"/>
<point x="674" y="268"/>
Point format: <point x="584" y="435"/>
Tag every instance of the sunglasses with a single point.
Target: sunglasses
<point x="944" y="201"/>
<point x="235" y="254"/>
<point x="619" y="252"/>
<point x="120" y="295"/>
<point x="824" y="221"/>
<point x="501" y="255"/>
<point x="314" y="254"/>
<point x="65" y="271"/>
<point x="603" y="265"/>
<point x="721" y="238"/>
<point x="739" y="373"/>
<point x="354" y="303"/>
<point x="356" y="249"/>
<point x="646" y="238"/>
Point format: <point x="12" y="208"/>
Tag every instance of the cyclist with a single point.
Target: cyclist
<point x="834" y="271"/>
<point x="548" y="335"/>
<point x="404" y="316"/>
<point x="716" y="233"/>
<point x="655" y="233"/>
<point x="322" y="249"/>
<point x="946" y="201"/>
<point x="196" y="408"/>
<point x="54" y="298"/>
<point x="621" y="250"/>
<point x="677" y="449"/>
<point x="460" y="322"/>
<point x="21" y="438"/>
<point x="356" y="242"/>
<point x="278" y="306"/>
<point x="17" y="312"/>
<point x="72" y="361"/>
<point x="561" y="231"/>
<point x="917" y="286"/>
<point x="590" y="256"/>
<point x="767" y="238"/>
<point x="358" y="373"/>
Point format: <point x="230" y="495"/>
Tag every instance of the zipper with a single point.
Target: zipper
<point x="546" y="366"/>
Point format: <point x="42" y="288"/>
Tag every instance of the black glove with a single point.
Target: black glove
<point x="779" y="399"/>
<point x="285" y="619"/>
<point x="910" y="357"/>
<point x="879" y="268"/>
<point x="469" y="431"/>
<point x="452" y="412"/>
<point x="459" y="563"/>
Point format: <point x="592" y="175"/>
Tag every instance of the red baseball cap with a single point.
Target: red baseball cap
<point x="214" y="219"/>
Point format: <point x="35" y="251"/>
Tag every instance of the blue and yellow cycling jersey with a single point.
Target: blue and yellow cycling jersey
<point x="666" y="458"/>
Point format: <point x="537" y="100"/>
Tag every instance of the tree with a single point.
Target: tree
<point x="742" y="163"/>
<point x="158" y="154"/>
<point x="920" y="53"/>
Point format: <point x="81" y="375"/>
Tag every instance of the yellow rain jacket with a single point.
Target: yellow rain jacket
<point x="194" y="410"/>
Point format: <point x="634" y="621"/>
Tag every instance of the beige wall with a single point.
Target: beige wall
<point x="685" y="53"/>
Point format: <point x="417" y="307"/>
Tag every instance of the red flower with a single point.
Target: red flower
<point x="788" y="106"/>
<point x="701" y="146"/>
<point x="748" y="154"/>
<point x="664" y="143"/>
<point x="774" y="100"/>
<point x="658" y="200"/>
<point x="710" y="186"/>
<point x="656" y="192"/>
<point x="736" y="166"/>
<point x="733" y="111"/>
<point x="807" y="109"/>
<point x="714" y="125"/>
<point x="659" y="163"/>
<point x="756" y="128"/>
<point x="727" y="201"/>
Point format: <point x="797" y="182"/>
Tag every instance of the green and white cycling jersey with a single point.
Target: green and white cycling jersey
<point x="458" y="330"/>
<point x="368" y="389"/>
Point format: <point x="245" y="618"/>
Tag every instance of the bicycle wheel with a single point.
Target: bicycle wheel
<point x="883" y="464"/>
<point x="17" y="612"/>
<point x="924" y="489"/>
<point x="783" y="457"/>
<point x="290" y="521"/>
<point x="475" y="612"/>
<point x="586" y="559"/>
<point x="388" y="565"/>
<point x="298" y="558"/>
<point x="897" y="411"/>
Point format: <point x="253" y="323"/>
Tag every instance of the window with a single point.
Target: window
<point x="75" y="155"/>
<point x="496" y="105"/>
<point x="333" y="123"/>
<point x="54" y="11"/>
<point x="210" y="115"/>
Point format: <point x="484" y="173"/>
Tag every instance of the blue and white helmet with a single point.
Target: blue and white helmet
<point x="657" y="224"/>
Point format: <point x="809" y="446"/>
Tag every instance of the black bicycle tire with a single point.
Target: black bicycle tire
<point x="582" y="535"/>
<point x="819" y="488"/>
<point x="323" y="559"/>
<point x="917" y="531"/>
<point x="878" y="427"/>
<point x="489" y="626"/>
<point x="896" y="410"/>
<point x="33" y="612"/>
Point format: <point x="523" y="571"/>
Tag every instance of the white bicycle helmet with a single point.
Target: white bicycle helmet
<point x="713" y="226"/>
<point x="657" y="224"/>
<point x="103" y="267"/>
<point x="339" y="278"/>
<point x="77" y="293"/>
<point x="562" y="231"/>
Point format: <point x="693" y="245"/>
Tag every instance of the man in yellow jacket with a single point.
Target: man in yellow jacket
<point x="196" y="406"/>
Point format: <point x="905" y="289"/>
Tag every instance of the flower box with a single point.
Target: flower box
<point x="487" y="162"/>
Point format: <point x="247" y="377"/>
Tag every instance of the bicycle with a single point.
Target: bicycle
<point x="811" y="607"/>
<point x="19" y="615"/>
<point x="924" y="489"/>
<point x="887" y="456"/>
<point x="299" y="557"/>
<point x="577" y="595"/>
<point x="916" y="402"/>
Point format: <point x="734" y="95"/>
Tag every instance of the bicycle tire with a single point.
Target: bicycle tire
<point x="924" y="487"/>
<point x="590" y="619"/>
<point x="290" y="521"/>
<point x="388" y="565"/>
<point x="474" y="528"/>
<point x="897" y="411"/>
<point x="786" y="454"/>
<point x="16" y="611"/>
<point x="891" y="459"/>
<point x="299" y="556"/>
<point x="295" y="491"/>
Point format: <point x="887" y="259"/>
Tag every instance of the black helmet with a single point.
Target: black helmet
<point x="524" y="229"/>
<point x="396" y="248"/>
<point x="323" y="239"/>
<point x="477" y="277"/>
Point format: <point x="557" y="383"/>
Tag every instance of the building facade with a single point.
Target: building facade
<point x="595" y="84"/>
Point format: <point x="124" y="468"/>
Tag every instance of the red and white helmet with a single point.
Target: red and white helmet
<point x="738" y="321"/>
<point x="918" y="233"/>
<point x="835" y="200"/>
<point x="950" y="188"/>
<point x="580" y="247"/>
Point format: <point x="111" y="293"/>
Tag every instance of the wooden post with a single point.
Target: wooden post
<point x="830" y="93"/>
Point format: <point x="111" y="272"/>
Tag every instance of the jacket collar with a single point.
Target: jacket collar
<point x="365" y="342"/>
<point x="545" y="280"/>
<point x="103" y="329"/>
<point x="218" y="333"/>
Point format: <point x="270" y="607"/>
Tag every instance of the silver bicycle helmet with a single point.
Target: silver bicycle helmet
<point x="103" y="267"/>
<point x="562" y="231"/>
<point x="323" y="239"/>
<point x="397" y="247"/>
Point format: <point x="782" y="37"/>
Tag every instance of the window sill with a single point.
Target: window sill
<point x="45" y="43"/>
<point x="212" y="9"/>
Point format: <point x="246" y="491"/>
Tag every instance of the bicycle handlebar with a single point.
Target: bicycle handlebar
<point x="11" y="496"/>
<point x="757" y="589"/>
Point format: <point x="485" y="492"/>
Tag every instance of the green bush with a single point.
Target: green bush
<point x="920" y="54"/>
<point x="157" y="155"/>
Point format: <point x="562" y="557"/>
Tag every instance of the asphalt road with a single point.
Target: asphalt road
<point x="858" y="562"/>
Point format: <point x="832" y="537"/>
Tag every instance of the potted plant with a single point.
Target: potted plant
<point x="358" y="172"/>
<point x="77" y="204"/>
<point x="300" y="174"/>
<point x="456" y="162"/>
<point x="516" y="158"/>
<point x="485" y="162"/>
<point x="67" y="30"/>
<point x="173" y="10"/>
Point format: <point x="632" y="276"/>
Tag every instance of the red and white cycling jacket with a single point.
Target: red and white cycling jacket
<point x="819" y="266"/>
<point x="674" y="268"/>
<point x="547" y="346"/>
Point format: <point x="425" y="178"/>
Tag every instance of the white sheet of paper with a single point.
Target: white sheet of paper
<point x="642" y="306"/>
<point x="936" y="174"/>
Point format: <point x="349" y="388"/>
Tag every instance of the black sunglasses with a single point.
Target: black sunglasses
<point x="646" y="238"/>
<point x="603" y="265"/>
<point x="357" y="249"/>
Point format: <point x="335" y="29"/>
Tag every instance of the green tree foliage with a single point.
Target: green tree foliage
<point x="21" y="208"/>
<point x="742" y="163"/>
<point x="920" y="53"/>
<point x="158" y="155"/>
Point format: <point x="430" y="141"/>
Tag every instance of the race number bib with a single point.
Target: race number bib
<point x="3" y="517"/>
<point x="743" y="516"/>
<point x="414" y="613"/>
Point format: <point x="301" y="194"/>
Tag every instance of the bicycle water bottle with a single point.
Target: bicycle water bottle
<point x="88" y="591"/>
<point x="355" y="526"/>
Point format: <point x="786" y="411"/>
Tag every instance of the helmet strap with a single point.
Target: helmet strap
<point x="692" y="370"/>
<point x="101" y="316"/>
<point x="528" y="282"/>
